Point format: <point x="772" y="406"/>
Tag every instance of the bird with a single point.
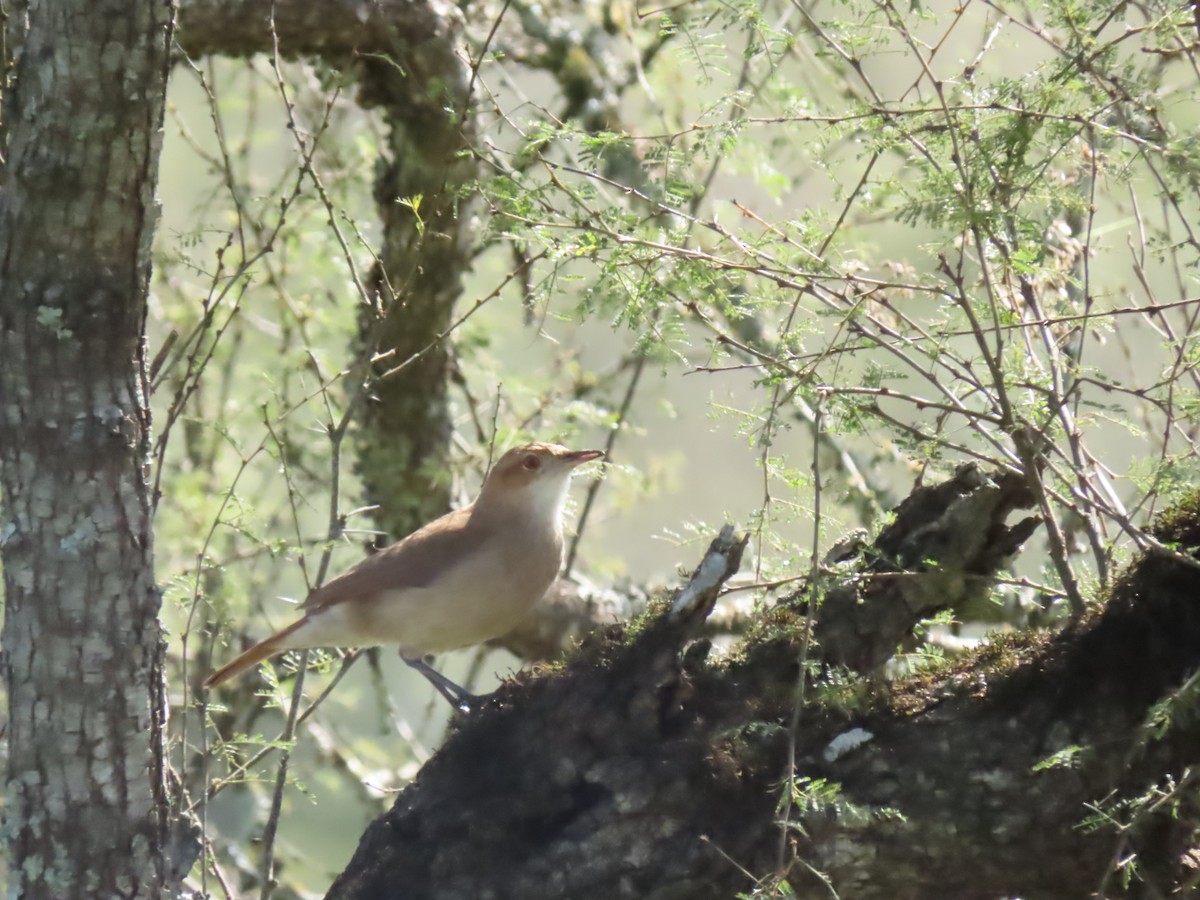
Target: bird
<point x="464" y="578"/>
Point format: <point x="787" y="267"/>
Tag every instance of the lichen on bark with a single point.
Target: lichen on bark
<point x="85" y="800"/>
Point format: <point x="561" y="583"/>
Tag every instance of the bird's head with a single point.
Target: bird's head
<point x="533" y="477"/>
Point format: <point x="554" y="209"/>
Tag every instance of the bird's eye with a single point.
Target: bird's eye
<point x="531" y="463"/>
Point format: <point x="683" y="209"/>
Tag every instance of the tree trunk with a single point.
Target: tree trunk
<point x="647" y="771"/>
<point x="403" y="442"/>
<point x="404" y="436"/>
<point x="86" y="805"/>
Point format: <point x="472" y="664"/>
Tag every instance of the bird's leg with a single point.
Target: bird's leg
<point x="458" y="697"/>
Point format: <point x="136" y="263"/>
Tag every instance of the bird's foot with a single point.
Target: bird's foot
<point x="456" y="695"/>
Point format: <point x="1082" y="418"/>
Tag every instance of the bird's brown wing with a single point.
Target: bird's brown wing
<point x="413" y="562"/>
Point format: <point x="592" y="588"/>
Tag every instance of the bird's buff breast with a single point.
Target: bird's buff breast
<point x="481" y="598"/>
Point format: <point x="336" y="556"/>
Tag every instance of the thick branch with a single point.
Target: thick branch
<point x="645" y="771"/>
<point x="941" y="551"/>
<point x="331" y="29"/>
<point x="957" y="757"/>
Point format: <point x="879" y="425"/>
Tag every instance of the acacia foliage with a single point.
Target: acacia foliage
<point x="881" y="240"/>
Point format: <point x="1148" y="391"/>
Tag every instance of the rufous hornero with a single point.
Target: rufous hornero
<point x="464" y="578"/>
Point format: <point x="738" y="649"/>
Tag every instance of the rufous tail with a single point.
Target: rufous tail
<point x="264" y="649"/>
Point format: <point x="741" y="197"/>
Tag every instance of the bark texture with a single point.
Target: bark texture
<point x="940" y="552"/>
<point x="85" y="796"/>
<point x="404" y="435"/>
<point x="645" y="770"/>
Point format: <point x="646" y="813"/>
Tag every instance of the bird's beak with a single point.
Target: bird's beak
<point x="579" y="457"/>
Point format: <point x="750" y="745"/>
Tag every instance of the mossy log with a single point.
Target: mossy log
<point x="647" y="768"/>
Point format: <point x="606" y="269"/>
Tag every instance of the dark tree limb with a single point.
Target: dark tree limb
<point x="644" y="770"/>
<point x="957" y="756"/>
<point x="941" y="551"/>
<point x="337" y="31"/>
